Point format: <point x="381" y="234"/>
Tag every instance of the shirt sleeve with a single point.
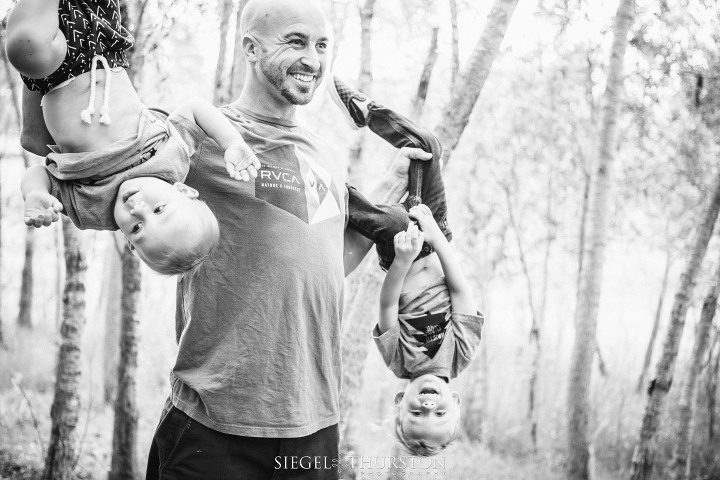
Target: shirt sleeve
<point x="467" y="330"/>
<point x="62" y="190"/>
<point x="187" y="131"/>
<point x="388" y="344"/>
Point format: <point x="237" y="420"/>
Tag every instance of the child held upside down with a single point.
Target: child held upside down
<point x="429" y="327"/>
<point x="122" y="172"/>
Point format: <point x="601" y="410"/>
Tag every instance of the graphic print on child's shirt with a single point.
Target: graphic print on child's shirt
<point x="429" y="331"/>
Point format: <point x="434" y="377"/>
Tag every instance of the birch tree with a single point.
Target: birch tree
<point x="656" y="325"/>
<point x="124" y="458"/>
<point x="364" y="84"/>
<point x="456" y="113"/>
<point x="586" y="310"/>
<point x="224" y="10"/>
<point x="680" y="468"/>
<point x="643" y="456"/>
<point x="237" y="72"/>
<point x="62" y="450"/>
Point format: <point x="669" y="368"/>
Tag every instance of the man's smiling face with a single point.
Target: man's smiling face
<point x="293" y="53"/>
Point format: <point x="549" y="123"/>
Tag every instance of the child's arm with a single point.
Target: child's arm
<point x="460" y="295"/>
<point x="407" y="246"/>
<point x="240" y="161"/>
<point x="41" y="208"/>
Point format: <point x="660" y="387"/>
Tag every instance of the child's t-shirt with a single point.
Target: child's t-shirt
<point x="428" y="337"/>
<point x="87" y="183"/>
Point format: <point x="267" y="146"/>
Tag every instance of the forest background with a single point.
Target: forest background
<point x="582" y="193"/>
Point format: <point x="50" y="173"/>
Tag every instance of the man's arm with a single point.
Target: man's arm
<point x="390" y="189"/>
<point x="35" y="136"/>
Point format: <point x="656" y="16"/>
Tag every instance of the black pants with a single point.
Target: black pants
<point x="183" y="449"/>
<point x="380" y="223"/>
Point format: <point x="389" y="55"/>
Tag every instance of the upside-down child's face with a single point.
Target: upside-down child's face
<point x="156" y="216"/>
<point x="428" y="410"/>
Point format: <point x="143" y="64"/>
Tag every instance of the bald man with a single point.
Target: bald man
<point x="255" y="388"/>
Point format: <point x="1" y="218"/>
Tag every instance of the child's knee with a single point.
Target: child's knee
<point x="34" y="53"/>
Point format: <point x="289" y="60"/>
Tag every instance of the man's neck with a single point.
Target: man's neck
<point x="258" y="101"/>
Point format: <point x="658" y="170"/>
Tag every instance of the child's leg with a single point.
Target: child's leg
<point x="35" y="45"/>
<point x="400" y="132"/>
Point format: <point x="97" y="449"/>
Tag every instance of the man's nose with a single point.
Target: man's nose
<point x="311" y="58"/>
<point x="428" y="404"/>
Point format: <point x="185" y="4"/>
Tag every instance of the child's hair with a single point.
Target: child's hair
<point x="420" y="447"/>
<point x="184" y="261"/>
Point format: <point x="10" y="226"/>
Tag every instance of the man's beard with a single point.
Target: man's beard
<point x="278" y="78"/>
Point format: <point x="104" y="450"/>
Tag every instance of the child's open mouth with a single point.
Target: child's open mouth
<point x="429" y="391"/>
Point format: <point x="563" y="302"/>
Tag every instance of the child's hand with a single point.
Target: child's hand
<point x="240" y="161"/>
<point x="41" y="209"/>
<point x="408" y="244"/>
<point x="422" y="214"/>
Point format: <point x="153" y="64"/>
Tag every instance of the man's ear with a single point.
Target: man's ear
<point x="456" y="398"/>
<point x="187" y="191"/>
<point x="398" y="397"/>
<point x="130" y="246"/>
<point x="250" y="47"/>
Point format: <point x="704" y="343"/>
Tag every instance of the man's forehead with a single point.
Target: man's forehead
<point x="283" y="17"/>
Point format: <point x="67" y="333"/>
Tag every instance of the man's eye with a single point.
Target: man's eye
<point x="322" y="46"/>
<point x="440" y="414"/>
<point x="159" y="209"/>
<point x="135" y="228"/>
<point x="297" y="42"/>
<point x="416" y="413"/>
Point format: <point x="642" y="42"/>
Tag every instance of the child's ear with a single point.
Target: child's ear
<point x="130" y="246"/>
<point x="187" y="191"/>
<point x="456" y="398"/>
<point x="398" y="397"/>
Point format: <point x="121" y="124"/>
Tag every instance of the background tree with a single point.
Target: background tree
<point x="586" y="311"/>
<point x="62" y="448"/>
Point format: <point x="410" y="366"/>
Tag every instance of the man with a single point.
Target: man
<point x="255" y="388"/>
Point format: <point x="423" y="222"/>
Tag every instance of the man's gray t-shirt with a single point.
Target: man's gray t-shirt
<point x="428" y="338"/>
<point x="259" y="322"/>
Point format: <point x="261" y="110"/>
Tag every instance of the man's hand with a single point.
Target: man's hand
<point x="408" y="244"/>
<point x="422" y="214"/>
<point x="401" y="164"/>
<point x="240" y="161"/>
<point x="41" y="209"/>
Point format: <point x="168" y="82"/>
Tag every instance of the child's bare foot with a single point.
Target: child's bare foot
<point x="41" y="209"/>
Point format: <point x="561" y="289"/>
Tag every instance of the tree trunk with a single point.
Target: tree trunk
<point x="59" y="272"/>
<point x="62" y="450"/>
<point x="711" y="387"/>
<point x="338" y="14"/>
<point x="422" y="91"/>
<point x="367" y="10"/>
<point x="643" y="457"/>
<point x="586" y="310"/>
<point x="26" y="290"/>
<point x="24" y="318"/>
<point x="2" y="337"/>
<point x="455" y="44"/>
<point x="110" y="302"/>
<point x="534" y="336"/>
<point x="688" y="398"/>
<point x="237" y="72"/>
<point x="457" y="112"/>
<point x="124" y="458"/>
<point x="655" y="327"/>
<point x="224" y="10"/>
